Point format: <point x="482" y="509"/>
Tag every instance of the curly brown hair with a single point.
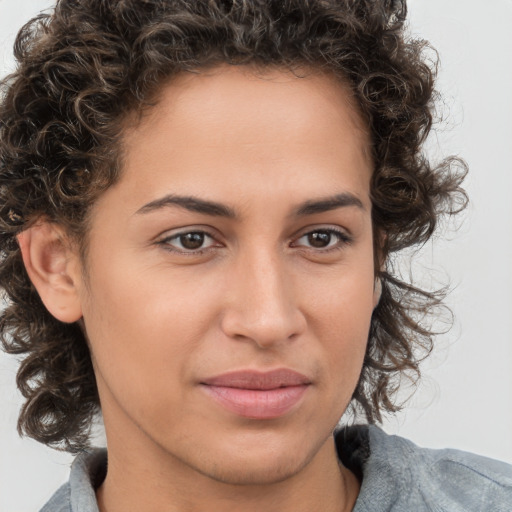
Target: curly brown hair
<point x="86" y="66"/>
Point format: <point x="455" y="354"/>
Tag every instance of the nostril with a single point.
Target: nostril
<point x="260" y="303"/>
<point x="264" y="331"/>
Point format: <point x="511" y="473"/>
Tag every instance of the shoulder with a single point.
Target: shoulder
<point x="60" y="501"/>
<point x="414" y="478"/>
<point x="79" y="493"/>
<point x="450" y="477"/>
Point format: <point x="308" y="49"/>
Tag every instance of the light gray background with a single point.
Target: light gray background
<point x="465" y="399"/>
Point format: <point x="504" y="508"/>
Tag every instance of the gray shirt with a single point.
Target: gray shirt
<point x="397" y="476"/>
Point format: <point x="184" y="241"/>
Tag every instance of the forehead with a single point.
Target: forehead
<point x="229" y="96"/>
<point x="221" y="125"/>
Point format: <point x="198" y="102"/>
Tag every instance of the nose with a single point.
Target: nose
<point x="261" y="304"/>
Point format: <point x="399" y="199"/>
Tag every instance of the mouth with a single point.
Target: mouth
<point x="258" y="395"/>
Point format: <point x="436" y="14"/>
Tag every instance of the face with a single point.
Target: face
<point x="230" y="277"/>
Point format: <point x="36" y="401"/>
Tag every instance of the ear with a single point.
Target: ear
<point x="377" y="292"/>
<point x="380" y="241"/>
<point x="53" y="267"/>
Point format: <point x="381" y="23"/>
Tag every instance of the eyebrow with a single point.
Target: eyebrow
<point x="190" y="203"/>
<point x="328" y="203"/>
<point x="206" y="207"/>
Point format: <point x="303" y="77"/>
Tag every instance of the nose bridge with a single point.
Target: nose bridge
<point x="262" y="307"/>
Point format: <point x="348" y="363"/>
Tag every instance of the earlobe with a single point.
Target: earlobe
<point x="53" y="268"/>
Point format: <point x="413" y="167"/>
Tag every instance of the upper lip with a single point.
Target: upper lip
<point x="253" y="379"/>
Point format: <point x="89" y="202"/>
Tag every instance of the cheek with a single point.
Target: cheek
<point x="145" y="327"/>
<point x="343" y="300"/>
<point x="339" y="317"/>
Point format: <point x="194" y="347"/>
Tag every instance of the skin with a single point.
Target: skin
<point x="287" y="158"/>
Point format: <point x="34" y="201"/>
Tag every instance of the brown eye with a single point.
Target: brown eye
<point x="192" y="241"/>
<point x="323" y="239"/>
<point x="319" y="239"/>
<point x="189" y="241"/>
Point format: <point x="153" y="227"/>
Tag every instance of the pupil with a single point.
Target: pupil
<point x="319" y="239"/>
<point x="192" y="240"/>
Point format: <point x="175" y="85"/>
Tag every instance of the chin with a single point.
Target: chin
<point x="262" y="459"/>
<point x="265" y="469"/>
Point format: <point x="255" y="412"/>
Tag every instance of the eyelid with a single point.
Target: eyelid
<point x="344" y="237"/>
<point x="164" y="239"/>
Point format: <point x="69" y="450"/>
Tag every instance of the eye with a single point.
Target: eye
<point x="190" y="241"/>
<point x="323" y="239"/>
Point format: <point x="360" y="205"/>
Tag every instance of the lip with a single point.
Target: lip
<point x="257" y="395"/>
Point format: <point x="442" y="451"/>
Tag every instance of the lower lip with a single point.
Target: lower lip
<point x="257" y="404"/>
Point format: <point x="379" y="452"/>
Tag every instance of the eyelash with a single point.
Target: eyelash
<point x="343" y="239"/>
<point x="166" y="242"/>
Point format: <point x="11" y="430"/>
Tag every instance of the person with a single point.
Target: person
<point x="199" y="205"/>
